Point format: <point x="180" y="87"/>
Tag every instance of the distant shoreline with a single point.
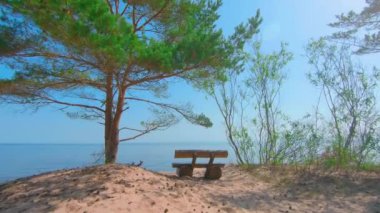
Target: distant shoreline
<point x="31" y="159"/>
<point x="101" y="143"/>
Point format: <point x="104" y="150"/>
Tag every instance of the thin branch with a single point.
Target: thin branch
<point x="134" y="17"/>
<point x="143" y="132"/>
<point x="153" y="17"/>
<point x="55" y="55"/>
<point x="109" y="6"/>
<point x="124" y="10"/>
<point x="70" y="104"/>
<point x="163" y="105"/>
<point x="138" y="135"/>
<point x="117" y="6"/>
<point x="161" y="76"/>
<point x="132" y="129"/>
<point x="139" y="19"/>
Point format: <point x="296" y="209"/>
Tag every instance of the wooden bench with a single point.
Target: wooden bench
<point x="213" y="171"/>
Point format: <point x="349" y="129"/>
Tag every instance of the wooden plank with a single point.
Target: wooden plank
<point x="197" y="165"/>
<point x="200" y="153"/>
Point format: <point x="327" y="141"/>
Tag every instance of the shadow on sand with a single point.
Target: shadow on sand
<point x="42" y="193"/>
<point x="319" y="193"/>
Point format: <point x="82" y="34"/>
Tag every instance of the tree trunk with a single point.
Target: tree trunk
<point x="112" y="119"/>
<point x="351" y="134"/>
<point x="110" y="141"/>
<point x="111" y="147"/>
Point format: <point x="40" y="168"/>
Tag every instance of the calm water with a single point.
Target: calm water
<point x="20" y="160"/>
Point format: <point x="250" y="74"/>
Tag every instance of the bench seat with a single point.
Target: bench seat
<point x="200" y="153"/>
<point x="197" y="165"/>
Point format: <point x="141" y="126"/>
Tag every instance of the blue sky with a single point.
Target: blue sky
<point x="291" y="21"/>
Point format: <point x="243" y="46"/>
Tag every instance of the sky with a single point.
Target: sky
<point x="292" y="21"/>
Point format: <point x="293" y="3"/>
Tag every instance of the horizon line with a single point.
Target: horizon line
<point x="101" y="143"/>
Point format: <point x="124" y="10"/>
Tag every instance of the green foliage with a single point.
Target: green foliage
<point x="201" y="120"/>
<point x="245" y="145"/>
<point x="370" y="167"/>
<point x="264" y="83"/>
<point x="302" y="142"/>
<point x="12" y="34"/>
<point x="349" y="140"/>
<point x="259" y="139"/>
<point x="349" y="92"/>
<point x="180" y="37"/>
<point x="338" y="157"/>
<point x="353" y="25"/>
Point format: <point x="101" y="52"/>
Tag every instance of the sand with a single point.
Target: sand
<point x="121" y="188"/>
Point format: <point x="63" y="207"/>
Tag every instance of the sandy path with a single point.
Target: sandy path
<point x="131" y="189"/>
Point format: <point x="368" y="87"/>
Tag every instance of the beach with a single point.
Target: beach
<point x="123" y="188"/>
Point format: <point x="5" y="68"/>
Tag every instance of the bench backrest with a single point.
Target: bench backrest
<point x="200" y="154"/>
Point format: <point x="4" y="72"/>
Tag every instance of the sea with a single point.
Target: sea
<point x="22" y="160"/>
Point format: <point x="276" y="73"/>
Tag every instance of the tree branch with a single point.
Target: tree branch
<point x="138" y="135"/>
<point x="149" y="128"/>
<point x="110" y="6"/>
<point x="132" y="129"/>
<point x="55" y="55"/>
<point x="153" y="17"/>
<point x="162" y="76"/>
<point x="162" y="105"/>
<point x="124" y="10"/>
<point x="117" y="6"/>
<point x="70" y="104"/>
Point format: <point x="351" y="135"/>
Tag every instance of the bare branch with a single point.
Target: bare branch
<point x="132" y="129"/>
<point x="161" y="123"/>
<point x="124" y="10"/>
<point x="138" y="135"/>
<point x="70" y="104"/>
<point x="163" y="105"/>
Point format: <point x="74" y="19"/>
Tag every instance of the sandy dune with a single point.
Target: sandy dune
<point x="120" y="188"/>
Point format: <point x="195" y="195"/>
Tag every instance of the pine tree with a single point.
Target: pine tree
<point x="99" y="56"/>
<point x="366" y="23"/>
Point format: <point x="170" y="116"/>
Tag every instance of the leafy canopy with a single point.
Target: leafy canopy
<point x="74" y="52"/>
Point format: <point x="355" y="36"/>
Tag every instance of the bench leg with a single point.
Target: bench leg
<point x="213" y="173"/>
<point x="185" y="171"/>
